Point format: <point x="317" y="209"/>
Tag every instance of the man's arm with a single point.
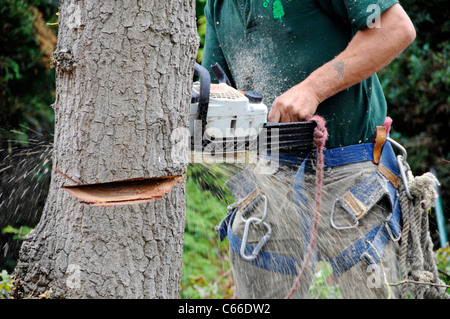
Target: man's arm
<point x="369" y="51"/>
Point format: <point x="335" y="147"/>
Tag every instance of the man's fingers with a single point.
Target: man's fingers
<point x="274" y="115"/>
<point x="286" y="117"/>
<point x="293" y="106"/>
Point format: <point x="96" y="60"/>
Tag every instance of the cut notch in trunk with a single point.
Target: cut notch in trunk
<point x="124" y="192"/>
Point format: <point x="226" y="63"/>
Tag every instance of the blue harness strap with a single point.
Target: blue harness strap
<point x="242" y="184"/>
<point x="265" y="259"/>
<point x="370" y="247"/>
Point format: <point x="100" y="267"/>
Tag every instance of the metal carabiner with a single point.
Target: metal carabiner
<point x="389" y="230"/>
<point x="260" y="244"/>
<point x="405" y="170"/>
<point x="264" y="239"/>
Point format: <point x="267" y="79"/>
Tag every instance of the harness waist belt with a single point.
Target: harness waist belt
<point x="333" y="157"/>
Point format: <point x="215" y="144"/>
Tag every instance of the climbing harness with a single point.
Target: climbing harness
<point x="407" y="220"/>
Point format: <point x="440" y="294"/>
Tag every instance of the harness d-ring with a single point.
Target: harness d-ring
<point x="354" y="219"/>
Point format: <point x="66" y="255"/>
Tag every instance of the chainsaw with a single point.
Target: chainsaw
<point x="227" y="123"/>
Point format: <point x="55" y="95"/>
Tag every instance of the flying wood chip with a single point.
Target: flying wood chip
<point x="124" y="192"/>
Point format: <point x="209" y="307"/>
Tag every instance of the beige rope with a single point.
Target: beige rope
<point x="416" y="250"/>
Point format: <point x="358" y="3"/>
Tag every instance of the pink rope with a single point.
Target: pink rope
<point x="320" y="138"/>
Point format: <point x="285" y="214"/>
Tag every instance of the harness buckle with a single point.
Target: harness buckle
<point x="231" y="207"/>
<point x="368" y="258"/>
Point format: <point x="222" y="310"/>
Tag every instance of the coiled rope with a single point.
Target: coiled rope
<point x="416" y="249"/>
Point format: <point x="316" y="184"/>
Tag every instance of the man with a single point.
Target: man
<point x="310" y="57"/>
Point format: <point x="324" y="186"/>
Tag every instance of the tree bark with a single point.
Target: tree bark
<point x="123" y="83"/>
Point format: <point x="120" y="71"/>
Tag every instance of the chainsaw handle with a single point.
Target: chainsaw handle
<point x="220" y="74"/>
<point x="203" y="103"/>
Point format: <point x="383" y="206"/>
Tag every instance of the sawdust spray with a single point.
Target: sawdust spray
<point x="25" y="170"/>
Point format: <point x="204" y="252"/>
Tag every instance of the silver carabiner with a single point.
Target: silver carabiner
<point x="260" y="244"/>
<point x="405" y="170"/>
<point x="264" y="239"/>
<point x="389" y="230"/>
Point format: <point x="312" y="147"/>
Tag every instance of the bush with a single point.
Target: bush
<point x="26" y="80"/>
<point x="416" y="86"/>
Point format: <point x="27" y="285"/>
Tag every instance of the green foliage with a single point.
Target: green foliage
<point x="416" y="86"/>
<point x="323" y="285"/>
<point x="443" y="263"/>
<point x="206" y="271"/>
<point x="18" y="233"/>
<point x="5" y="284"/>
<point x="26" y="83"/>
<point x="201" y="27"/>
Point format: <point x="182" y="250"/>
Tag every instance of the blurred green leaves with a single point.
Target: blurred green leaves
<point x="417" y="86"/>
<point x="5" y="284"/>
<point x="18" y="233"/>
<point x="443" y="263"/>
<point x="201" y="27"/>
<point x="26" y="82"/>
<point x="206" y="271"/>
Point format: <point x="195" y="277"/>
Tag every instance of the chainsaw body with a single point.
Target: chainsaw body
<point x="223" y="114"/>
<point x="226" y="120"/>
<point x="230" y="114"/>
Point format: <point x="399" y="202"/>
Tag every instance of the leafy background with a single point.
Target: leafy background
<point x="416" y="85"/>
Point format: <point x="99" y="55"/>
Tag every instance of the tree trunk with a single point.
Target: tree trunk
<point x="123" y="83"/>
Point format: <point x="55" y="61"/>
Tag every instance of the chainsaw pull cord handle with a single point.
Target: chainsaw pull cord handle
<point x="220" y="74"/>
<point x="203" y="102"/>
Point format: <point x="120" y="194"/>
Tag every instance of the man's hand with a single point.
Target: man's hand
<point x="295" y="105"/>
<point x="369" y="51"/>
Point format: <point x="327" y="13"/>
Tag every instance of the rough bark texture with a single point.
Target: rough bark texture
<point x="124" y="72"/>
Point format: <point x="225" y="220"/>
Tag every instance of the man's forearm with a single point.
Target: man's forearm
<point x="369" y="51"/>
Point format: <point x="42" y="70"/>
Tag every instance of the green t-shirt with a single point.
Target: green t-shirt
<point x="271" y="45"/>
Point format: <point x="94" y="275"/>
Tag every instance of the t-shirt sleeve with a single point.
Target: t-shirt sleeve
<point x="212" y="51"/>
<point x="357" y="13"/>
